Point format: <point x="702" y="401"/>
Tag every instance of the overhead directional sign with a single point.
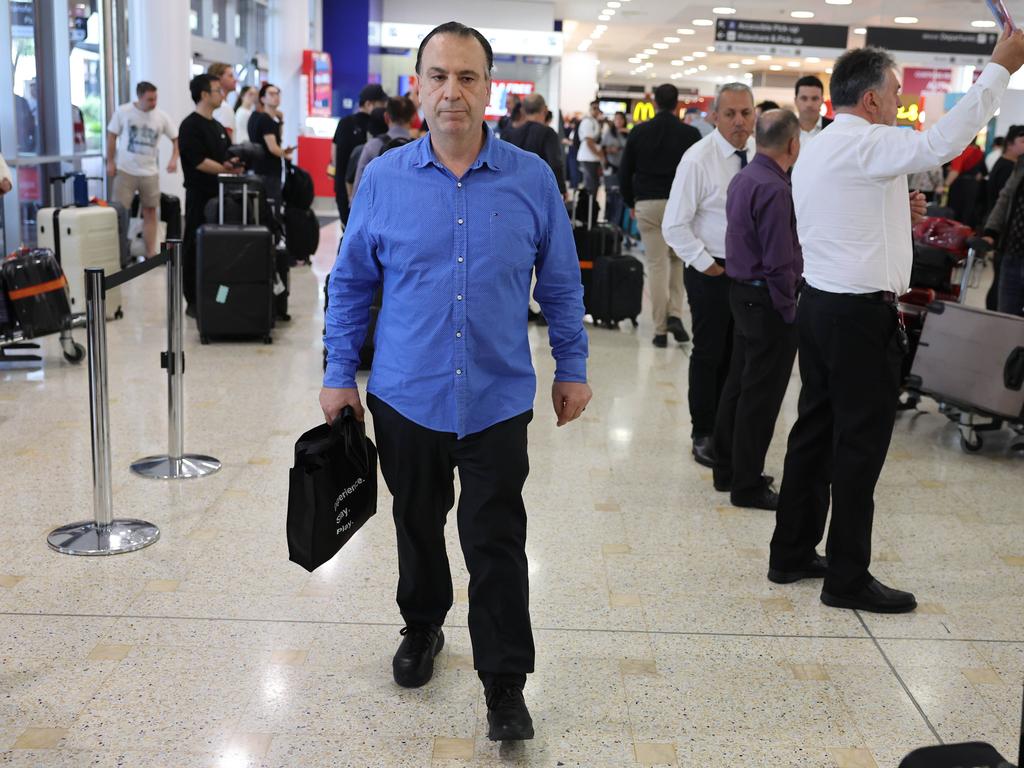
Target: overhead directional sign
<point x="935" y="46"/>
<point x="779" y="38"/>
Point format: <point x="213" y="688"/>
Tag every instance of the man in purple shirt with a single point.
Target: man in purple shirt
<point x="764" y="260"/>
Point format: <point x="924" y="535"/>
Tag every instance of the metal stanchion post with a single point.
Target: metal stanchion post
<point x="104" y="535"/>
<point x="176" y="463"/>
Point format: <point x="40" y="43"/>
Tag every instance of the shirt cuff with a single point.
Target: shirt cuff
<point x="703" y="262"/>
<point x="571" y="369"/>
<point x="335" y="377"/>
<point x="994" y="74"/>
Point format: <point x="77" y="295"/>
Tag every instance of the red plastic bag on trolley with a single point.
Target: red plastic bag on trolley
<point x="942" y="233"/>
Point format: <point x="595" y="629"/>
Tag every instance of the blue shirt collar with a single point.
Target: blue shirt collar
<point x="488" y="153"/>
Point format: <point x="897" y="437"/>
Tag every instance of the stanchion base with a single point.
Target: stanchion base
<point x="90" y="539"/>
<point x="167" y="468"/>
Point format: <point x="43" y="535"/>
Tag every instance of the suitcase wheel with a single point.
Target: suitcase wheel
<point x="970" y="445"/>
<point x="267" y="339"/>
<point x="75" y="354"/>
<point x="204" y="339"/>
<point x="118" y="314"/>
<point x="634" y="322"/>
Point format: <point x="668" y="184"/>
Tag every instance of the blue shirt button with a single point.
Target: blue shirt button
<point x="458" y="334"/>
<point x="460" y="221"/>
<point x="461" y="259"/>
<point x="458" y="371"/>
<point x="459" y="297"/>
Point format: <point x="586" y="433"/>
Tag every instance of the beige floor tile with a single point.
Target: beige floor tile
<point x="162" y="585"/>
<point x="10" y="581"/>
<point x="624" y="600"/>
<point x="249" y="745"/>
<point x="289" y="658"/>
<point x="616" y="549"/>
<point x="453" y="749"/>
<point x="109" y="652"/>
<point x="853" y="758"/>
<point x="639" y="667"/>
<point x="809" y="672"/>
<point x="40" y="738"/>
<point x="982" y="676"/>
<point x="655" y="754"/>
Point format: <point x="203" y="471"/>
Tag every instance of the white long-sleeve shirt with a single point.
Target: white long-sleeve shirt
<point x="694" y="223"/>
<point x="851" y="195"/>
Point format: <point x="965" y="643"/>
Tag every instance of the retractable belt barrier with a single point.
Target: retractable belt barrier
<point x="105" y="535"/>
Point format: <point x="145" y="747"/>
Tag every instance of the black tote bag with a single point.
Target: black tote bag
<point x="332" y="490"/>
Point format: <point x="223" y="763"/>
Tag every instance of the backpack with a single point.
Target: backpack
<point x="392" y="143"/>
<point x="298" y="189"/>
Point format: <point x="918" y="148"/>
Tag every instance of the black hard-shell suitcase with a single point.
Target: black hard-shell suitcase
<point x="170" y="213"/>
<point x="616" y="290"/>
<point x="37" y="292"/>
<point x="235" y="265"/>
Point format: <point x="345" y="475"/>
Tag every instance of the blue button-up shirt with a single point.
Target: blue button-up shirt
<point x="456" y="256"/>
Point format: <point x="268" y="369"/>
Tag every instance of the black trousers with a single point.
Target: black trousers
<point x="712" y="346"/>
<point x="418" y="465"/>
<point x="195" y="217"/>
<point x="850" y="360"/>
<point x="763" y="350"/>
<point x="341" y="200"/>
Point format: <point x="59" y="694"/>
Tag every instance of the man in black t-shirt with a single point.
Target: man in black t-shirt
<point x="204" y="154"/>
<point x="351" y="132"/>
<point x="537" y="137"/>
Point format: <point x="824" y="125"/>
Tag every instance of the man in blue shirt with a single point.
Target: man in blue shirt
<point x="453" y="225"/>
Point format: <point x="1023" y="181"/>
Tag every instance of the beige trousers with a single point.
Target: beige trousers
<point x="664" y="268"/>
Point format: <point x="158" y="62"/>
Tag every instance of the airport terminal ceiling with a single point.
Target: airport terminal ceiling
<point x="634" y="26"/>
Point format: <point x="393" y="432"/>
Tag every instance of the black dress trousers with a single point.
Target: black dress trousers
<point x="712" y="345"/>
<point x="850" y="361"/>
<point x="418" y="465"/>
<point x="763" y="350"/>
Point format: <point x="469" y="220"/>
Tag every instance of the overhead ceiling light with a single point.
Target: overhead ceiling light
<point x="613" y="4"/>
<point x="802" y="14"/>
<point x="677" y="62"/>
<point x="685" y="31"/>
<point x="734" y="66"/>
<point x="860" y="31"/>
<point x="608" y="11"/>
<point x="906" y="20"/>
<point x="748" y="62"/>
<point x="710" y="49"/>
<point x="676" y="75"/>
<point x="651" y="51"/>
<point x="794" y="63"/>
<point x="602" y="17"/>
<point x="687" y="58"/>
<point x="724" y="10"/>
<point x="775" y="68"/>
<point x="583" y="46"/>
<point x="702" y="22"/>
<point x="635" y="60"/>
<point x="660" y="46"/>
<point x="983" y="24"/>
<point x="812" y="60"/>
<point x="828" y="70"/>
<point x="643" y="56"/>
<point x="600" y="27"/>
<point x="703" y="67"/>
<point x="764" y="57"/>
<point x="838" y="2"/>
<point x="671" y="39"/>
<point x="699" y="55"/>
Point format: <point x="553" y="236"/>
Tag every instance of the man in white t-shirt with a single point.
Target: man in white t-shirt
<point x="225" y="113"/>
<point x="132" y="153"/>
<point x="590" y="155"/>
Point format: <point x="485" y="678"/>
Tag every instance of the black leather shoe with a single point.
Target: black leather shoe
<point x="816" y="568"/>
<point x="413" y="665"/>
<point x="508" y="719"/>
<point x="660" y="341"/>
<point x="873" y="597"/>
<point x="765" y="498"/>
<point x="724" y="486"/>
<point x="703" y="452"/>
<point x="677" y="329"/>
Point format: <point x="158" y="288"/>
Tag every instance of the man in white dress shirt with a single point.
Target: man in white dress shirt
<point x="694" y="227"/>
<point x="853" y="217"/>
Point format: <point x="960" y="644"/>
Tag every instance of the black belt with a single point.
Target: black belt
<point x="882" y="297"/>
<point x="754" y="283"/>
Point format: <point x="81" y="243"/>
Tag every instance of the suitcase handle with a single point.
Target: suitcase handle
<point x="1013" y="371"/>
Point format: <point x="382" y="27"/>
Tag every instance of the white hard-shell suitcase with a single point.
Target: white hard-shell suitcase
<point x="81" y="238"/>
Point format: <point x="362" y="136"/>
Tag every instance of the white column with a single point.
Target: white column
<point x="289" y="37"/>
<point x="160" y="46"/>
<point x="579" y="81"/>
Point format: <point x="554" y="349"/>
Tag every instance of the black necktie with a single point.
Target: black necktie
<point x="742" y="155"/>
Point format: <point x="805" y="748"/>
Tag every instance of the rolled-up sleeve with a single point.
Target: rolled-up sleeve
<point x="683" y="203"/>
<point x="559" y="290"/>
<point x="354" y="278"/>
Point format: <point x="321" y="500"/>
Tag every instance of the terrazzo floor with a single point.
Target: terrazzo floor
<point x="660" y="641"/>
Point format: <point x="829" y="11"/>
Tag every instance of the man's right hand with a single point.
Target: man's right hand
<point x="111" y="169"/>
<point x="715" y="270"/>
<point x="333" y="400"/>
<point x="1009" y="51"/>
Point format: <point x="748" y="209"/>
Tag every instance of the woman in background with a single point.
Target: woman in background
<point x="244" y="105"/>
